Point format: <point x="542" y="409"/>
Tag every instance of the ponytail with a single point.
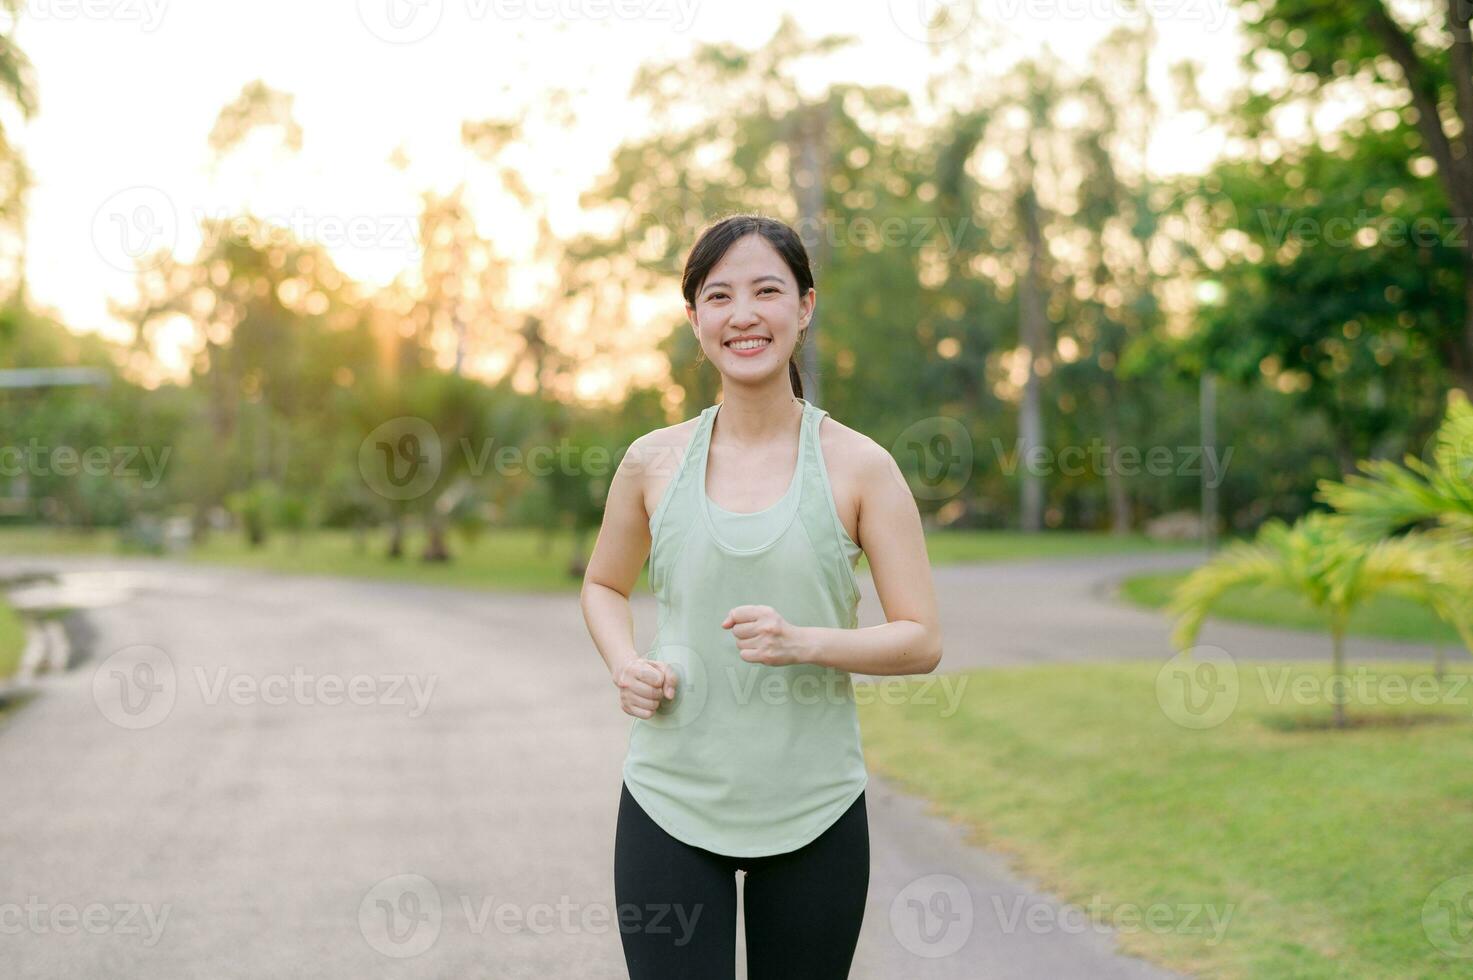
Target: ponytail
<point x="793" y="375"/>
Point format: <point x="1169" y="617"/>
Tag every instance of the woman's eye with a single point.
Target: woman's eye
<point x="768" y="289"/>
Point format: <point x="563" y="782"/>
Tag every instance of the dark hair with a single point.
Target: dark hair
<point x="718" y="238"/>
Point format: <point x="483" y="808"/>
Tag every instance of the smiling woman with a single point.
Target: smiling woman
<point x="749" y="267"/>
<point x="744" y="753"/>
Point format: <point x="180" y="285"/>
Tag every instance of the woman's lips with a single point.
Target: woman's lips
<point x="748" y="351"/>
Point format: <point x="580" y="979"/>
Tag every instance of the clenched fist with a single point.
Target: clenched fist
<point x="642" y="684"/>
<point x="764" y="637"/>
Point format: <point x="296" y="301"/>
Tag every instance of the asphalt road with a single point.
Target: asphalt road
<point x="254" y="775"/>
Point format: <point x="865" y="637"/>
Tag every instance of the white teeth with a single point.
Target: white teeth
<point x="747" y="344"/>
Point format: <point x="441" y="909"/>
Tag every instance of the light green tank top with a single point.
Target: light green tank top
<point x="748" y="759"/>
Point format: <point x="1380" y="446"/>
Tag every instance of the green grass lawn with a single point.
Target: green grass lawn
<point x="12" y="640"/>
<point x="502" y="559"/>
<point x="1388" y="617"/>
<point x="1315" y="850"/>
<point x="952" y="547"/>
<point x="517" y="558"/>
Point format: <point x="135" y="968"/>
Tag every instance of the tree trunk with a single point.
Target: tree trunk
<point x="1454" y="159"/>
<point x="1207" y="411"/>
<point x="436" y="548"/>
<point x="578" y="565"/>
<point x="1115" y="484"/>
<point x="1033" y="335"/>
<point x="809" y="178"/>
<point x="396" y="536"/>
<point x="1337" y="672"/>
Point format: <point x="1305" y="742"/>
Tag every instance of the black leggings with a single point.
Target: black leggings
<point x="677" y="902"/>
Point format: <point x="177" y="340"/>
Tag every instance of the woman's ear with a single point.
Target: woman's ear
<point x="690" y="314"/>
<point x="806" y="308"/>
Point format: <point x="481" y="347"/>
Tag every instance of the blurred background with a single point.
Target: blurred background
<point x="324" y="328"/>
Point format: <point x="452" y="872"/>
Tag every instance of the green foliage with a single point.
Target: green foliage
<point x="1343" y="291"/>
<point x="254" y="508"/>
<point x="1323" y="846"/>
<point x="1341" y="336"/>
<point x="1335" y="571"/>
<point x="1385" y="497"/>
<point x="1319" y="559"/>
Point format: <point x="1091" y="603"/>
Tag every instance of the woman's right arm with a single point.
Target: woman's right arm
<point x="619" y="554"/>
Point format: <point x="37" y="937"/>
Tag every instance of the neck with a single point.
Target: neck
<point x="752" y="416"/>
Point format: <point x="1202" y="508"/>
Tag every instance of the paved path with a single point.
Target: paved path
<point x="239" y="827"/>
<point x="1065" y="610"/>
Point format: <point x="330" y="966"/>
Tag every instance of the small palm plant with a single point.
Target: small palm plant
<point x="1333" y="570"/>
<point x="1385" y="498"/>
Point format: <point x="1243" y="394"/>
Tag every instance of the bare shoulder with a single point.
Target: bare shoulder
<point x="850" y="454"/>
<point x="650" y="450"/>
<point x="654" y="457"/>
<point x="855" y="464"/>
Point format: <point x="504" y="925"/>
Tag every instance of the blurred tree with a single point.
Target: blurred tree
<point x="258" y="106"/>
<point x="1413" y="60"/>
<point x="17" y="88"/>
<point x="81" y="456"/>
<point x="1347" y="314"/>
<point x="279" y="334"/>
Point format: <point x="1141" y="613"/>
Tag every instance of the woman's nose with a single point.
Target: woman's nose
<point x="743" y="312"/>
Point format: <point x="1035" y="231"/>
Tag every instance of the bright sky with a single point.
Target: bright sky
<point x="129" y="90"/>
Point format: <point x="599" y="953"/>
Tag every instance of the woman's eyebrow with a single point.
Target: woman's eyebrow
<point x="727" y="285"/>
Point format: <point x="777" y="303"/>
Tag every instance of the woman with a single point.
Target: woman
<point x="744" y="753"/>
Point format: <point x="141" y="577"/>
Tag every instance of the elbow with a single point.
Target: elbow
<point x="591" y="588"/>
<point x="930" y="655"/>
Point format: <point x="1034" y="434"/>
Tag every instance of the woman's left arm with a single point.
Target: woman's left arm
<point x="910" y="640"/>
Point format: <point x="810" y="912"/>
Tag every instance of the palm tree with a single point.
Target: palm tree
<point x="1335" y="571"/>
<point x="1386" y="497"/>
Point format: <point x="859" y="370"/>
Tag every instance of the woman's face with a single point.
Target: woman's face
<point x="750" y="296"/>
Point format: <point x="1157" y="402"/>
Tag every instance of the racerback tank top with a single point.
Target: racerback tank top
<point x="748" y="759"/>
